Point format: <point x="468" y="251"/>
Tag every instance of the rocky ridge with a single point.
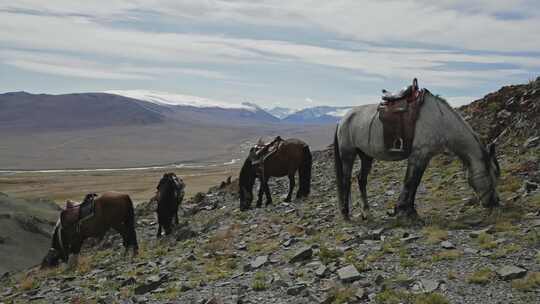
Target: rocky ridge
<point x="303" y="252"/>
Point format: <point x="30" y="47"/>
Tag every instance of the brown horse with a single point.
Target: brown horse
<point x="110" y="210"/>
<point x="170" y="192"/>
<point x="291" y="156"/>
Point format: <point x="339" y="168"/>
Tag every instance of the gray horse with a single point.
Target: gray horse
<point x="438" y="127"/>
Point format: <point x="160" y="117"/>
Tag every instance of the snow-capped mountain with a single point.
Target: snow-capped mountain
<point x="317" y="115"/>
<point x="188" y="107"/>
<point x="280" y="112"/>
<point x="164" y="98"/>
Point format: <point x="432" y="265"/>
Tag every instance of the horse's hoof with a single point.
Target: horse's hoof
<point x="408" y="216"/>
<point x="365" y="216"/>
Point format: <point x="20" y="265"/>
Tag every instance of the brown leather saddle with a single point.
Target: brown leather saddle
<point x="398" y="113"/>
<point x="76" y="213"/>
<point x="262" y="151"/>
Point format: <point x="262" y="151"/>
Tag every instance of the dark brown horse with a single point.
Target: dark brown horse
<point x="170" y="192"/>
<point x="291" y="156"/>
<point x="110" y="210"/>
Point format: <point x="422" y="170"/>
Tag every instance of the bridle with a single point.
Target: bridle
<point x="475" y="177"/>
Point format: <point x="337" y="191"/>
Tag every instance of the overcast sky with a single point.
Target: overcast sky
<point x="287" y="53"/>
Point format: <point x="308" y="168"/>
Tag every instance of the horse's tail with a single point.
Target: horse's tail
<point x="130" y="223"/>
<point x="338" y="166"/>
<point x="305" y="173"/>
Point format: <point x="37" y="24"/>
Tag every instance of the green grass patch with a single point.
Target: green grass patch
<point x="392" y="296"/>
<point x="404" y="258"/>
<point x="481" y="277"/>
<point x="505" y="250"/>
<point x="446" y="255"/>
<point x="328" y="255"/>
<point x="259" y="281"/>
<point x="341" y="295"/>
<point x="435" y="234"/>
<point x="486" y="241"/>
<point x="528" y="283"/>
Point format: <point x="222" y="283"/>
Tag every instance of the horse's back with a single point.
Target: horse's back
<point x="113" y="200"/>
<point x="295" y="142"/>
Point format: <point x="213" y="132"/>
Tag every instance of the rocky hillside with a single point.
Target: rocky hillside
<point x="305" y="253"/>
<point x="25" y="228"/>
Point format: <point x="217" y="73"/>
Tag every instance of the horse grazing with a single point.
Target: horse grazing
<point x="290" y="156"/>
<point x="170" y="192"/>
<point x="438" y="127"/>
<point x="92" y="218"/>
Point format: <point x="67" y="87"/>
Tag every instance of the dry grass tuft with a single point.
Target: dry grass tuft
<point x="528" y="283"/>
<point x="481" y="277"/>
<point x="434" y="234"/>
<point x="446" y="255"/>
<point x="28" y="282"/>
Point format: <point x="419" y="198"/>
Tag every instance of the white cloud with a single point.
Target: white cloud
<point x="368" y="39"/>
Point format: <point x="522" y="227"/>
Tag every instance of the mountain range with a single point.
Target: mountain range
<point x="138" y="128"/>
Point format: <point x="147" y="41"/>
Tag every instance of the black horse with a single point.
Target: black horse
<point x="170" y="192"/>
<point x="110" y="210"/>
<point x="291" y="156"/>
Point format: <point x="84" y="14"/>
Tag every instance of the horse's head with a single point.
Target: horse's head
<point x="59" y="248"/>
<point x="485" y="181"/>
<point x="169" y="182"/>
<point x="246" y="181"/>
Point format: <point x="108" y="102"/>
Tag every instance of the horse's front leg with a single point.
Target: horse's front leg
<point x="291" y="188"/>
<point x="416" y="165"/>
<point x="159" y="231"/>
<point x="366" y="163"/>
<point x="261" y="192"/>
<point x="267" y="192"/>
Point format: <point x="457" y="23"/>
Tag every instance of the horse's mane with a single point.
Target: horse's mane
<point x="245" y="172"/>
<point x="458" y="116"/>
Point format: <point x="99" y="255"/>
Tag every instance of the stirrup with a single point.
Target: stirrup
<point x="399" y="147"/>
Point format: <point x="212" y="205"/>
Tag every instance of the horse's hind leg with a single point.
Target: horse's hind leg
<point x="122" y="230"/>
<point x="291" y="187"/>
<point x="366" y="163"/>
<point x="347" y="163"/>
<point x="267" y="192"/>
<point x="261" y="192"/>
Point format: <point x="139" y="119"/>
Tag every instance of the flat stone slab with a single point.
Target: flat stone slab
<point x="510" y="272"/>
<point x="321" y="271"/>
<point x="348" y="274"/>
<point x="304" y="253"/>
<point x="475" y="234"/>
<point x="259" y="261"/>
<point x="409" y="239"/>
<point x="429" y="285"/>
<point x="447" y="245"/>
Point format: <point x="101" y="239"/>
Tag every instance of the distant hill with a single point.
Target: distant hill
<point x="40" y="112"/>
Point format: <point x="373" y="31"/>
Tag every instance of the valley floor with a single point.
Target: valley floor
<point x="139" y="184"/>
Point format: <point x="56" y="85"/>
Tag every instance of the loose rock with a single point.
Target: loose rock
<point x="349" y="274"/>
<point x="510" y="272"/>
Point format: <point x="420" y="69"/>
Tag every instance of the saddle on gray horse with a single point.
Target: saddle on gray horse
<point x="398" y="113"/>
<point x="75" y="213"/>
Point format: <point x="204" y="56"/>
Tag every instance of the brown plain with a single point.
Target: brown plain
<point x="139" y="184"/>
